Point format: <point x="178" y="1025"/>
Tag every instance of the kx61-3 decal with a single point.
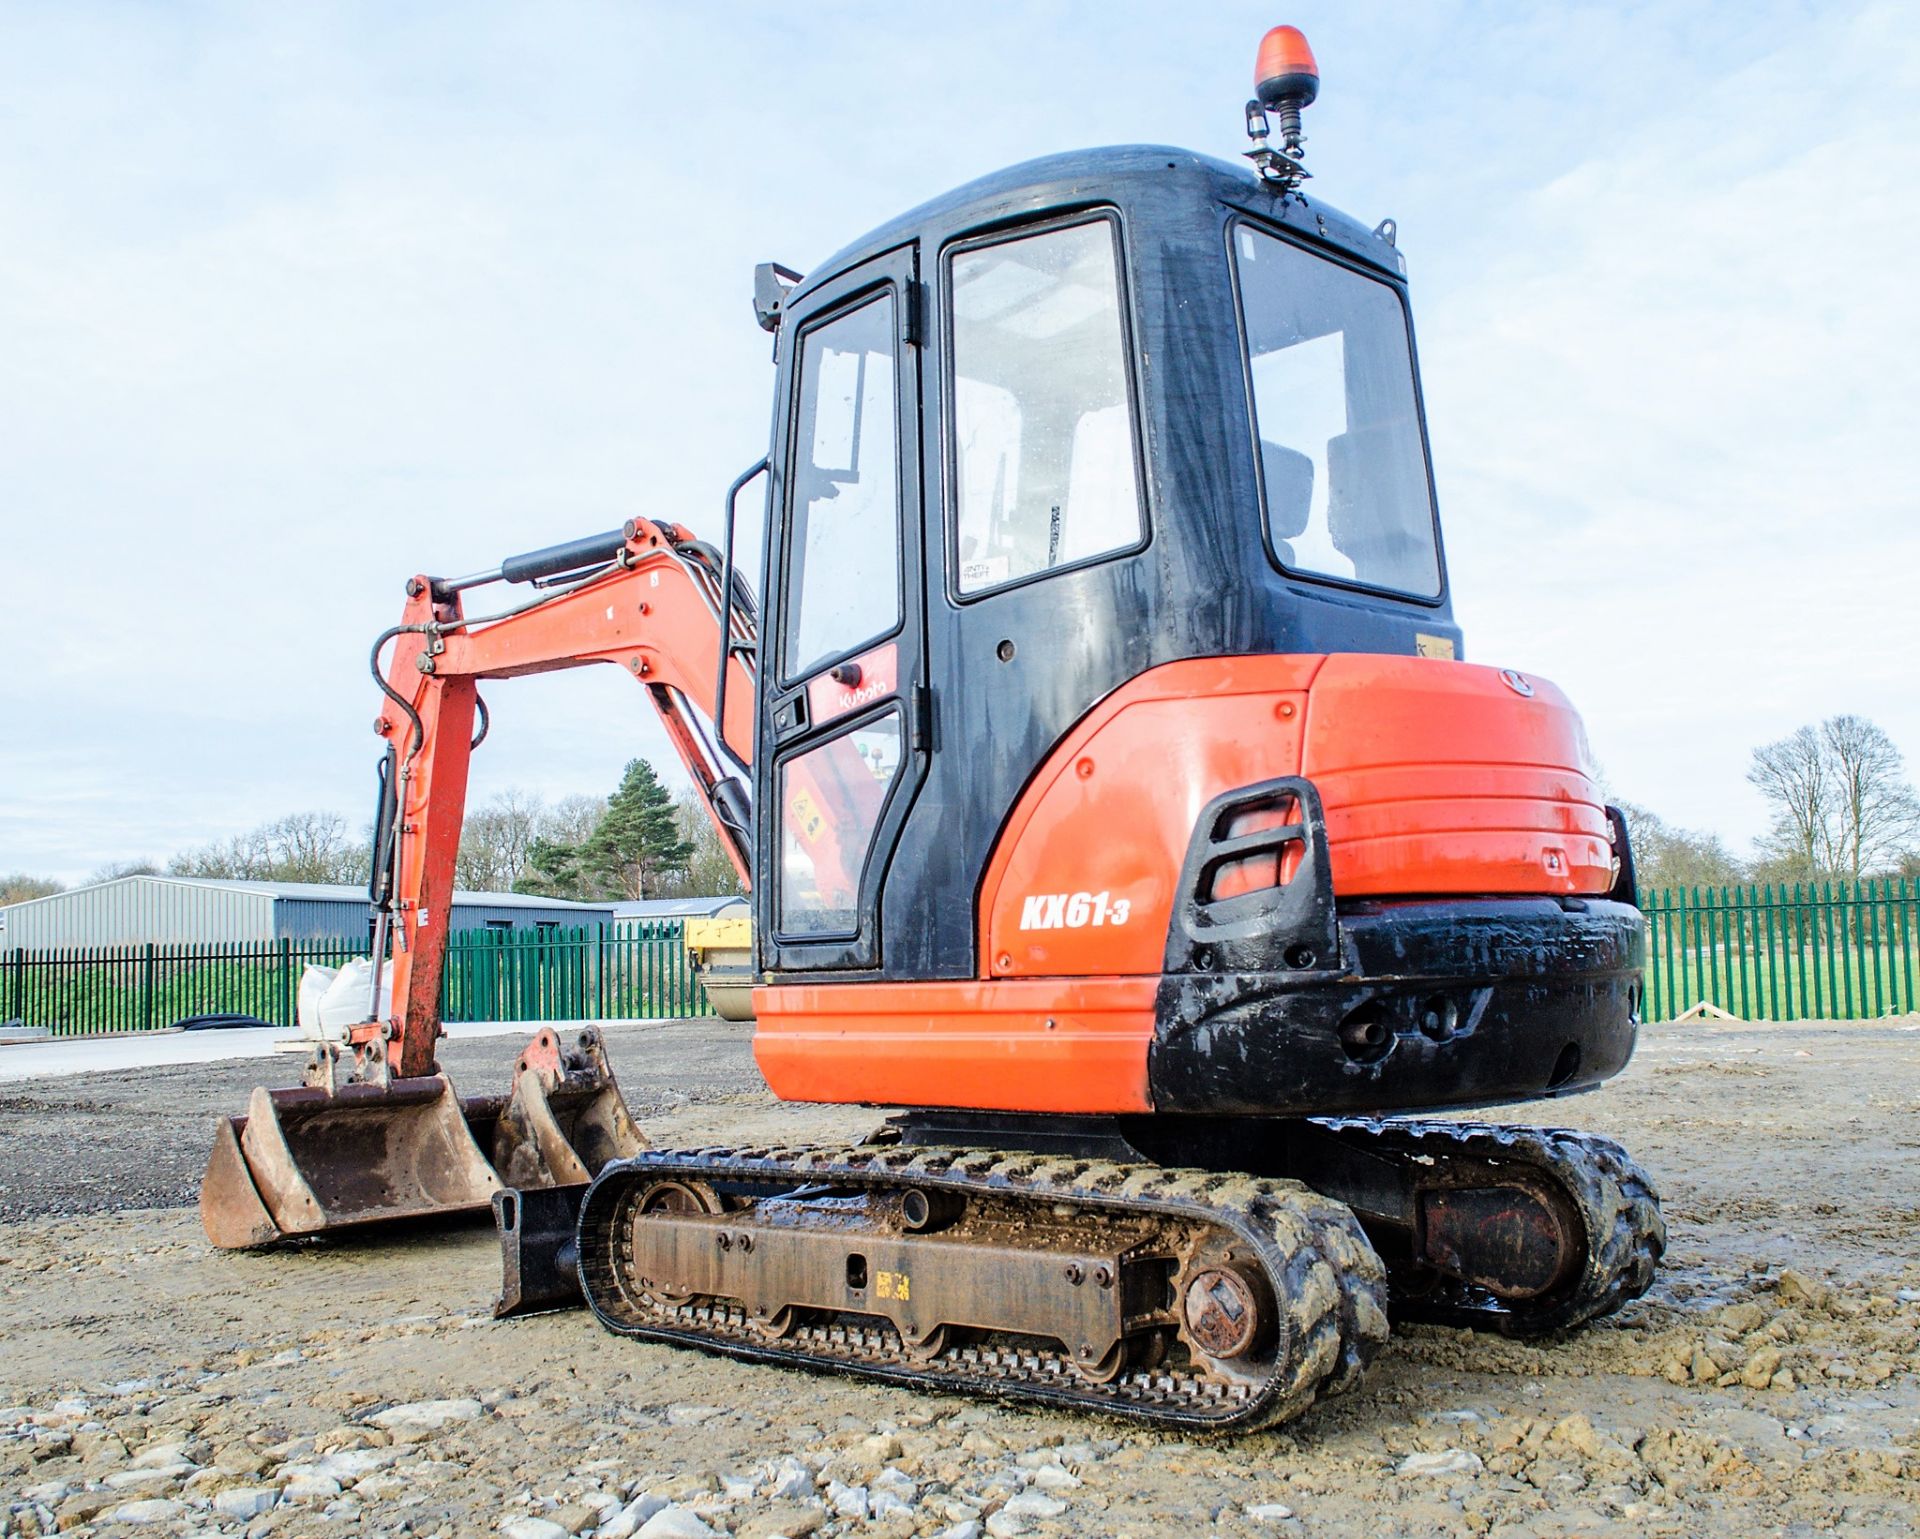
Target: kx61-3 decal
<point x="1072" y="910"/>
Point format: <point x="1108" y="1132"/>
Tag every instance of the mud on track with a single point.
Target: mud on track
<point x="1770" y="1384"/>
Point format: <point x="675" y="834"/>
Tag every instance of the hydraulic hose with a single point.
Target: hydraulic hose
<point x="373" y="666"/>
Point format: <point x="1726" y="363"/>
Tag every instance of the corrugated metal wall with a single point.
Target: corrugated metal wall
<point x="137" y="909"/>
<point x="477" y="916"/>
<point x="329" y="919"/>
<point x="320" y="918"/>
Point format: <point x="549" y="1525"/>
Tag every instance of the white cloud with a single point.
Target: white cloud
<point x="1673" y="419"/>
<point x="296" y="301"/>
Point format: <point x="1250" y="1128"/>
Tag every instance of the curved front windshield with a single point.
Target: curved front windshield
<point x="1341" y="461"/>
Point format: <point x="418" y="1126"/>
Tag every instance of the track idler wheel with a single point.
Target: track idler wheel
<point x="1228" y="1311"/>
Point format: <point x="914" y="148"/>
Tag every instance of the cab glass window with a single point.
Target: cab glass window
<point x="843" y="544"/>
<point x="1341" y="458"/>
<point x="1043" y="430"/>
<point x="831" y="798"/>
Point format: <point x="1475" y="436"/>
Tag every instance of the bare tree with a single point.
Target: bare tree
<point x="553" y="866"/>
<point x="709" y="871"/>
<point x="113" y="870"/>
<point x="1792" y="774"/>
<point x="242" y="857"/>
<point x="1842" y="805"/>
<point x="312" y="847"/>
<point x="1876" y="816"/>
<point x="1668" y="856"/>
<point x="572" y="819"/>
<point x="19" y="887"/>
<point x="300" y="847"/>
<point x="497" y="840"/>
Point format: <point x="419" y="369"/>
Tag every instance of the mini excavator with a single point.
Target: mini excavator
<point x="1117" y="809"/>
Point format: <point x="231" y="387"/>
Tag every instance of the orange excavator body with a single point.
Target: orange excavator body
<point x="1063" y="1015"/>
<point x="1096" y="746"/>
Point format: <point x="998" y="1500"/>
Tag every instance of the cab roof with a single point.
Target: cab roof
<point x="1130" y="174"/>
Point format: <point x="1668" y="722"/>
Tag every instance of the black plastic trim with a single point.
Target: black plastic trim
<point x="1480" y="1001"/>
<point x="1288" y="927"/>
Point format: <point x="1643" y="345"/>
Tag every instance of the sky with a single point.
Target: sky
<point x="296" y="301"/>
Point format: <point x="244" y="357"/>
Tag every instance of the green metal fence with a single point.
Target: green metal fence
<point x="634" y="973"/>
<point x="1809" y="951"/>
<point x="1824" y="951"/>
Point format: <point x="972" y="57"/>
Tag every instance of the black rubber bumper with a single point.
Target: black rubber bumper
<point x="1442" y="1004"/>
<point x="1282" y="1001"/>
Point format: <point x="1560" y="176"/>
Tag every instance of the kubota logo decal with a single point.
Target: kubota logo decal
<point x="1072" y="910"/>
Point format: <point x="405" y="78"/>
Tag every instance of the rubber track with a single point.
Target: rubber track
<point x="1617" y="1201"/>
<point x="1331" y="1285"/>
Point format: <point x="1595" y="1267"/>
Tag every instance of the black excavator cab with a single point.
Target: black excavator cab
<point x="1089" y="415"/>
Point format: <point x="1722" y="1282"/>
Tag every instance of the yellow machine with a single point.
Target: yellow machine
<point x="721" y="952"/>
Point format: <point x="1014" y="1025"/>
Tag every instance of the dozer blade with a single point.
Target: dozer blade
<point x="331" y="1156"/>
<point x="564" y="1120"/>
<point x="539" y="1250"/>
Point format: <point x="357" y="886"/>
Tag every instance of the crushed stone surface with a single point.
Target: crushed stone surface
<point x="1770" y="1384"/>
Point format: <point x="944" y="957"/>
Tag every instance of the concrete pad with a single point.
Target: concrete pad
<point x="58" y="1056"/>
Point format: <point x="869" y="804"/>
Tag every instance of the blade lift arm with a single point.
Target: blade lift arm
<point x="650" y="601"/>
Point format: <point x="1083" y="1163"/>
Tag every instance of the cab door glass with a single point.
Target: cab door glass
<point x="843" y="574"/>
<point x="831" y="798"/>
<point x="1044" y="462"/>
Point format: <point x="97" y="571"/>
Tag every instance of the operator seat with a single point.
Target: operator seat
<point x="1289" y="477"/>
<point x="1377" y="516"/>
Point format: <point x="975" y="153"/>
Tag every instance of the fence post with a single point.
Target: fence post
<point x="1903" y="909"/>
<point x="146" y="987"/>
<point x="20" y="984"/>
<point x="286" y="981"/>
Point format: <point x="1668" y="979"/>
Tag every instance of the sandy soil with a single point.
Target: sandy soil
<point x="1770" y="1384"/>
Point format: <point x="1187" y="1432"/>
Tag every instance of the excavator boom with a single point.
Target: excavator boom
<point x="377" y="1133"/>
<point x="650" y="607"/>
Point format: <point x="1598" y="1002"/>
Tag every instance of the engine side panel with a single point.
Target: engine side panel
<point x="1438" y="779"/>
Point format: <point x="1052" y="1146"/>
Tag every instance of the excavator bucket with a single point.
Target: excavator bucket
<point x="565" y="1116"/>
<point x="329" y="1156"/>
<point x="310" y="1160"/>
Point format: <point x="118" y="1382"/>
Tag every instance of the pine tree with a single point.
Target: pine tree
<point x="555" y="869"/>
<point x="638" y="840"/>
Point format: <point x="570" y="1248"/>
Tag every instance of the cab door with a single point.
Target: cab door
<point x="841" y="752"/>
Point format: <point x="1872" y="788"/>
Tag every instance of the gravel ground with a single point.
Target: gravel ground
<point x="1769" y="1385"/>
<point x="144" y="1131"/>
